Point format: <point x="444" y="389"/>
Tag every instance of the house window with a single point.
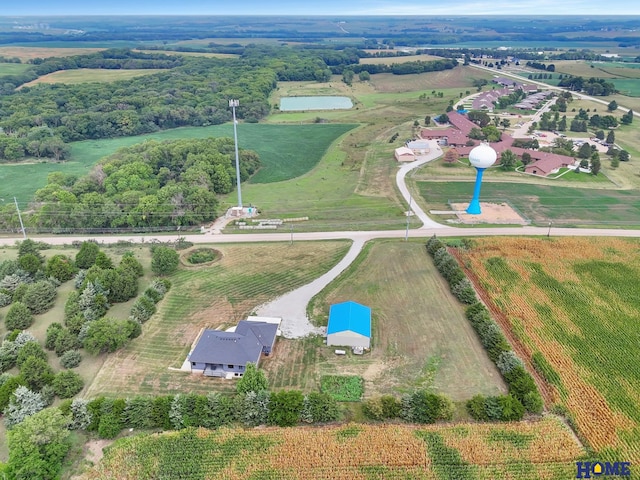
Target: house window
<point x="229" y="366"/>
<point x="193" y="364"/>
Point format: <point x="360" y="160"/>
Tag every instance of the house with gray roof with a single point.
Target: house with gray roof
<point x="226" y="354"/>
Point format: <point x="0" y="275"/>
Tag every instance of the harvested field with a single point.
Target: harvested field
<point x="399" y="59"/>
<point x="459" y="77"/>
<point x="29" y="53"/>
<point x="84" y="75"/>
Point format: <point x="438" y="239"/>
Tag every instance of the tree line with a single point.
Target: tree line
<point x="591" y="86"/>
<point x="148" y="185"/>
<point x="39" y="120"/>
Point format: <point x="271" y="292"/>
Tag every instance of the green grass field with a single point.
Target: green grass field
<point x="13" y="68"/>
<point x="212" y="296"/>
<point x="565" y="206"/>
<point x="420" y="337"/>
<point x="285" y="152"/>
<point x="573" y="302"/>
<point x="628" y="86"/>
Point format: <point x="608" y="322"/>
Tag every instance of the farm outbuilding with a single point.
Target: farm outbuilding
<point x="404" y="154"/>
<point x="349" y="325"/>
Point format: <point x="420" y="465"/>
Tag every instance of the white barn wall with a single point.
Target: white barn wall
<point x="347" y="338"/>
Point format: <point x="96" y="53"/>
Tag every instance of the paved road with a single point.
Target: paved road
<point x="434" y="153"/>
<point x="292" y="307"/>
<point x="440" y="230"/>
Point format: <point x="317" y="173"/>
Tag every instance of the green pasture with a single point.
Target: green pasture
<point x="352" y="188"/>
<point x="285" y="151"/>
<point x="564" y="206"/>
<point x="13" y="68"/>
<point x="420" y="336"/>
<point x="628" y="86"/>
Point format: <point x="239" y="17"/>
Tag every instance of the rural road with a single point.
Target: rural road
<point x="434" y="153"/>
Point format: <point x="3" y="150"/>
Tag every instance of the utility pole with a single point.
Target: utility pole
<point x="291" y="228"/>
<point x="233" y="104"/>
<point x="24" y="233"/>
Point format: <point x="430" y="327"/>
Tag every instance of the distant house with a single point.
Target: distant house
<point x="548" y="163"/>
<point x="349" y="325"/>
<point x="226" y="354"/>
<point x="404" y="154"/>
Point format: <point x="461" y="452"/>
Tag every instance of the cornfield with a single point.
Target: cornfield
<point x="575" y="302"/>
<point x="524" y="450"/>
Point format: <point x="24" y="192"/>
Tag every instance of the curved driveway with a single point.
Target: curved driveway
<point x="434" y="153"/>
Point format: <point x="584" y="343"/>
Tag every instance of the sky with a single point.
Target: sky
<point x="318" y="7"/>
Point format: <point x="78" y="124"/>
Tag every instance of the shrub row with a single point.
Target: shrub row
<point x="421" y="406"/>
<point x="448" y="266"/>
<point x="108" y="416"/>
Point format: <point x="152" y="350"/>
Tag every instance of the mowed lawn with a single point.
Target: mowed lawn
<point x="420" y="337"/>
<point x="215" y="296"/>
<point x="286" y="151"/>
<point x="574" y="302"/>
<point x="564" y="206"/>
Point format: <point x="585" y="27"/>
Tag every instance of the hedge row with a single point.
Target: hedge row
<point x="108" y="416"/>
<point x="421" y="406"/>
<point x="448" y="266"/>
<point x="523" y="392"/>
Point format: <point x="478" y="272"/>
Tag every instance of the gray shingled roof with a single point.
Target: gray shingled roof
<point x="234" y="348"/>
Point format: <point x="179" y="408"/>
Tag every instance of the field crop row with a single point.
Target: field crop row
<point x="573" y="305"/>
<point x="525" y="450"/>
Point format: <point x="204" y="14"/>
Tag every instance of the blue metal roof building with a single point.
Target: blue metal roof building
<point x="349" y="325"/>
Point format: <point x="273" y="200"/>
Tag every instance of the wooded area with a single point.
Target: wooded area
<point x="152" y="184"/>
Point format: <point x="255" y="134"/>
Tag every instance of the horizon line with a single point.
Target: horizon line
<point x="318" y="15"/>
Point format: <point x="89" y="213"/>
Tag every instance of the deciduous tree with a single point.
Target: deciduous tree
<point x="38" y="445"/>
<point x="164" y="260"/>
<point x="253" y="380"/>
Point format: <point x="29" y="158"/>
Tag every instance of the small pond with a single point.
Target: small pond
<point x="291" y="104"/>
